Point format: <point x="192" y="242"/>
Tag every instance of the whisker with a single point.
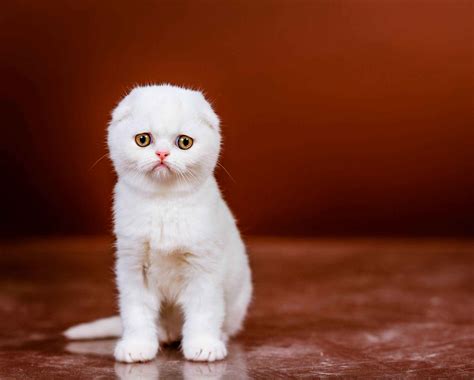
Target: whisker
<point x="97" y="161"/>
<point x="222" y="166"/>
<point x="146" y="164"/>
<point x="182" y="177"/>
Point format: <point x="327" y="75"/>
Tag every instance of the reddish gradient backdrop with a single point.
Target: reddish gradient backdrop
<point x="339" y="117"/>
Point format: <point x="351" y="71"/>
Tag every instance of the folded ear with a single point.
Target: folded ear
<point x="124" y="108"/>
<point x="207" y="113"/>
<point x="120" y="112"/>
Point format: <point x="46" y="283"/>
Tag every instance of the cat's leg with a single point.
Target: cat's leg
<point x="237" y="304"/>
<point x="139" y="304"/>
<point x="203" y="305"/>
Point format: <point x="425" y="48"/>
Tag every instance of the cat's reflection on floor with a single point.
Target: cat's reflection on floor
<point x="169" y="363"/>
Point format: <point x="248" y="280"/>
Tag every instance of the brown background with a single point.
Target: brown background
<point x="339" y="117"/>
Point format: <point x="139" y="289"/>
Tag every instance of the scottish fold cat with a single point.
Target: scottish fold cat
<point x="182" y="271"/>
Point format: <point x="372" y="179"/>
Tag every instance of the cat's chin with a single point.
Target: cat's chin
<point x="161" y="173"/>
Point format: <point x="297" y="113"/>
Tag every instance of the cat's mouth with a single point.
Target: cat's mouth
<point x="161" y="166"/>
<point x="162" y="170"/>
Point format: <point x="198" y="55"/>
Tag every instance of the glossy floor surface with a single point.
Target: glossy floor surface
<point x="322" y="308"/>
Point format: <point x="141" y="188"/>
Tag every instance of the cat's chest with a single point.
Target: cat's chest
<point x="172" y="227"/>
<point x="165" y="226"/>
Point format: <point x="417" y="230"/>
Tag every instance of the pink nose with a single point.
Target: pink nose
<point x="163" y="154"/>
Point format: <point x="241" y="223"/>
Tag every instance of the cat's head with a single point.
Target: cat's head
<point x="164" y="136"/>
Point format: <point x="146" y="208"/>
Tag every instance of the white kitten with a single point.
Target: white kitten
<point x="182" y="270"/>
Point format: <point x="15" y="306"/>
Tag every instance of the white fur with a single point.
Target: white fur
<point x="182" y="270"/>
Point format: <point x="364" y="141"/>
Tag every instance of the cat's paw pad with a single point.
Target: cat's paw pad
<point x="204" y="349"/>
<point x="130" y="350"/>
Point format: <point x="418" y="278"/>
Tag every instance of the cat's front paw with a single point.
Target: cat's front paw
<point x="204" y="349"/>
<point x="131" y="350"/>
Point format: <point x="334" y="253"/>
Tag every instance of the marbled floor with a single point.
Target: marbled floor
<point x="357" y="308"/>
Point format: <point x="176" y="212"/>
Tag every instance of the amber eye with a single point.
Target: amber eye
<point x="184" y="142"/>
<point x="143" y="139"/>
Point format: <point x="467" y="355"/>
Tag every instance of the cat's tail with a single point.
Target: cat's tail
<point x="101" y="328"/>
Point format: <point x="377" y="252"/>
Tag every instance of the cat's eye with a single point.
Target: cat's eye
<point x="184" y="142"/>
<point x="143" y="139"/>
